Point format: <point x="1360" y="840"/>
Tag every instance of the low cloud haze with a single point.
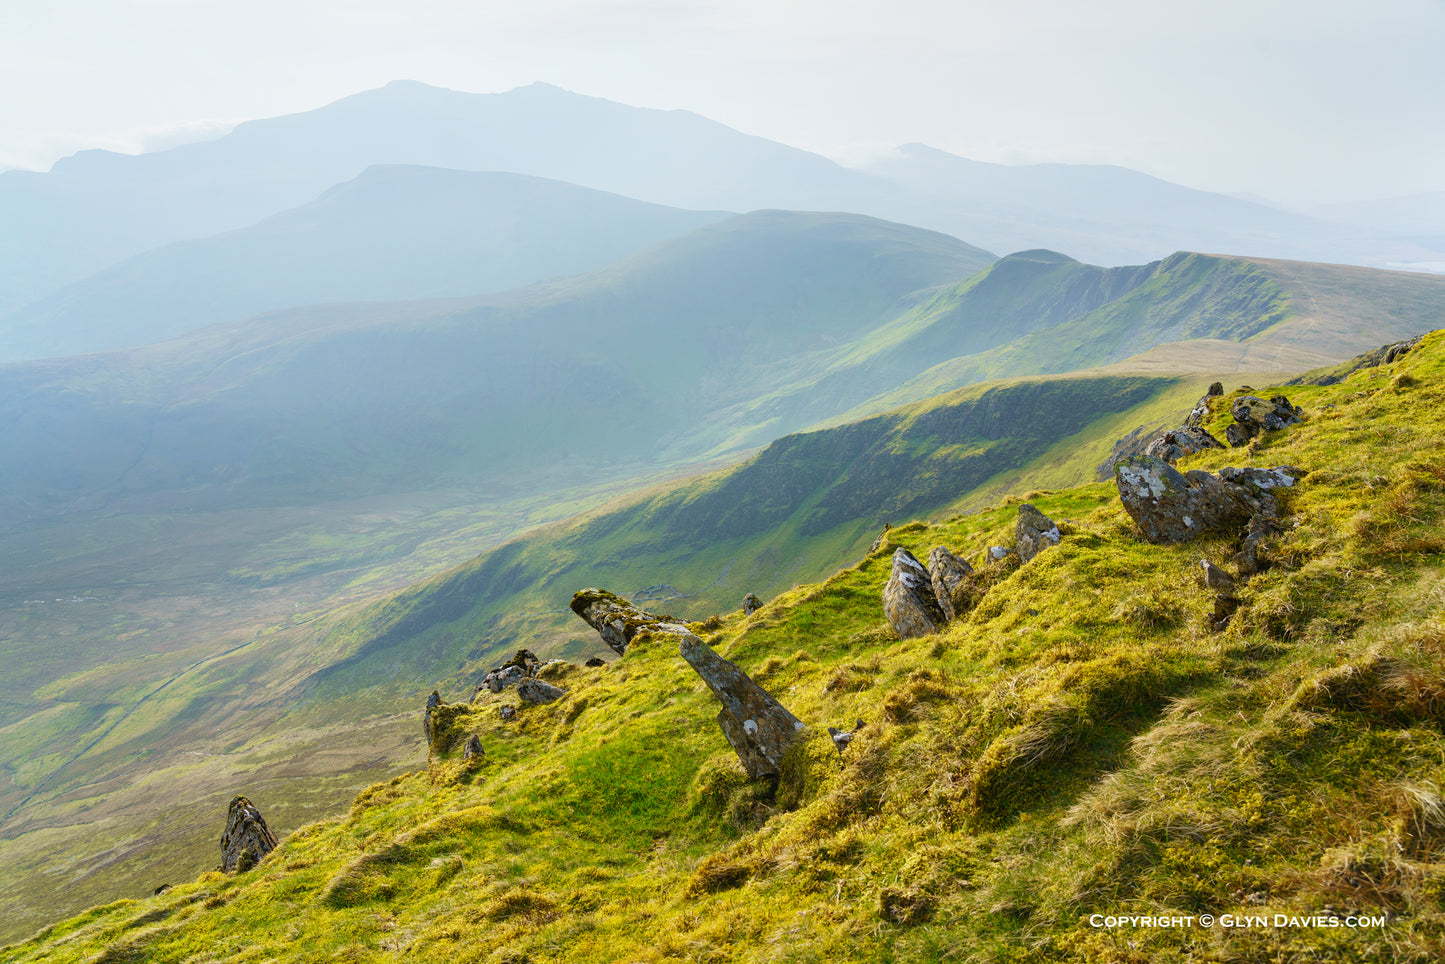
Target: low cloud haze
<point x="1328" y="101"/>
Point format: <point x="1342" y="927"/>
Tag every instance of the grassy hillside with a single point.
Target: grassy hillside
<point x="321" y="694"/>
<point x="1079" y="748"/>
<point x="392" y="233"/>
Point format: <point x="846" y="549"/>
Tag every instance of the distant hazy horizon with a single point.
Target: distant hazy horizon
<point x="1302" y="104"/>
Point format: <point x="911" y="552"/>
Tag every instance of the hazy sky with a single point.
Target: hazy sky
<point x="1301" y="100"/>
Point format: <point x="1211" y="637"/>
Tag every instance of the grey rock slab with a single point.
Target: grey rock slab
<point x="757" y="726"/>
<point x="247" y="839"/>
<point x="1034" y="532"/>
<point x="616" y="620"/>
<point x="949" y="575"/>
<point x="1170" y="507"/>
<point x="538" y="691"/>
<point x="908" y="599"/>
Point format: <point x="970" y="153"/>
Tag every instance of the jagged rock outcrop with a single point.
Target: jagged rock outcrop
<point x="538" y="691"/>
<point x="1171" y="507"/>
<point x="949" y="575"/>
<point x="1034" y="532"/>
<point x="1384" y="355"/>
<point x="502" y="677"/>
<point x="1175" y="444"/>
<point x="472" y="749"/>
<point x="757" y="726"/>
<point x="616" y="620"/>
<point x="1254" y="416"/>
<point x="508" y="712"/>
<point x="908" y="599"/>
<point x="751" y="604"/>
<point x="1200" y="412"/>
<point x="878" y="542"/>
<point x="247" y="839"/>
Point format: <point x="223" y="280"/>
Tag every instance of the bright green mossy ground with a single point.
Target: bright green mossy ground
<point x="1079" y="744"/>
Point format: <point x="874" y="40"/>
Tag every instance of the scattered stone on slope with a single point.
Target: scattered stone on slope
<point x="879" y="542"/>
<point x="508" y="712"/>
<point x="1175" y="444"/>
<point x="1254" y="416"/>
<point x="247" y="839"/>
<point x="1000" y="555"/>
<point x="949" y="575"/>
<point x="1201" y="410"/>
<point x="616" y="620"/>
<point x="756" y="725"/>
<point x="538" y="691"/>
<point x="908" y="599"/>
<point x="751" y="604"/>
<point x="473" y="748"/>
<point x="502" y="677"/>
<point x="841" y="739"/>
<point x="1225" y="603"/>
<point x="1034" y="532"/>
<point x="1216" y="578"/>
<point x="595" y="662"/>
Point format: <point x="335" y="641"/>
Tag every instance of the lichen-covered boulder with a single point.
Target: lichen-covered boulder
<point x="1254" y="416"/>
<point x="247" y="839"/>
<point x="1174" y="445"/>
<point x="757" y="726"/>
<point x="908" y="599"/>
<point x="538" y="691"/>
<point x="616" y="620"/>
<point x="1170" y="507"/>
<point x="1034" y="532"/>
<point x="472" y="749"/>
<point x="949" y="575"/>
<point x="751" y="604"/>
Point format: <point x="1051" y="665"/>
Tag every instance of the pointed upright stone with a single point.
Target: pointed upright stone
<point x="1034" y="532"/>
<point x="908" y="599"/>
<point x="247" y="839"/>
<point x="758" y="727"/>
<point x="949" y="575"/>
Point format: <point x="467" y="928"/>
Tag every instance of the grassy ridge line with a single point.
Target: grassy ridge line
<point x="787" y="515"/>
<point x="1079" y="744"/>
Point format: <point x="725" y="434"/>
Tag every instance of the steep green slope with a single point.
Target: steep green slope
<point x="1077" y="758"/>
<point x="391" y="233"/>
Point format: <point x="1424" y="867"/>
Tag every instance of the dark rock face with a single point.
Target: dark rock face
<point x="1034" y="532"/>
<point x="908" y="599"/>
<point x="757" y="726"/>
<point x="473" y="748"/>
<point x="247" y="839"/>
<point x="499" y="679"/>
<point x="509" y="712"/>
<point x="1171" y="446"/>
<point x="432" y="702"/>
<point x="949" y="575"/>
<point x="616" y="620"/>
<point x="751" y="604"/>
<point x="538" y="691"/>
<point x="1253" y="416"/>
<point x="1170" y="507"/>
<point x="595" y="662"/>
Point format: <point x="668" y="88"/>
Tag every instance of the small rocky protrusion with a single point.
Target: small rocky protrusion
<point x="1216" y="578"/>
<point x="841" y="739"/>
<point x="999" y="555"/>
<point x="595" y="662"/>
<point x="508" y="713"/>
<point x="878" y="543"/>
<point x="1253" y="416"/>
<point x="432" y="702"/>
<point x="949" y="575"/>
<point x="908" y="599"/>
<point x="538" y="691"/>
<point x="1172" y="446"/>
<point x="473" y="748"/>
<point x="1034" y="532"/>
<point x="160" y="890"/>
<point x="1200" y="412"/>
<point x="502" y="677"/>
<point x="758" y="727"/>
<point x="751" y="604"/>
<point x="247" y="839"/>
<point x="1225" y="606"/>
<point x="616" y="620"/>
